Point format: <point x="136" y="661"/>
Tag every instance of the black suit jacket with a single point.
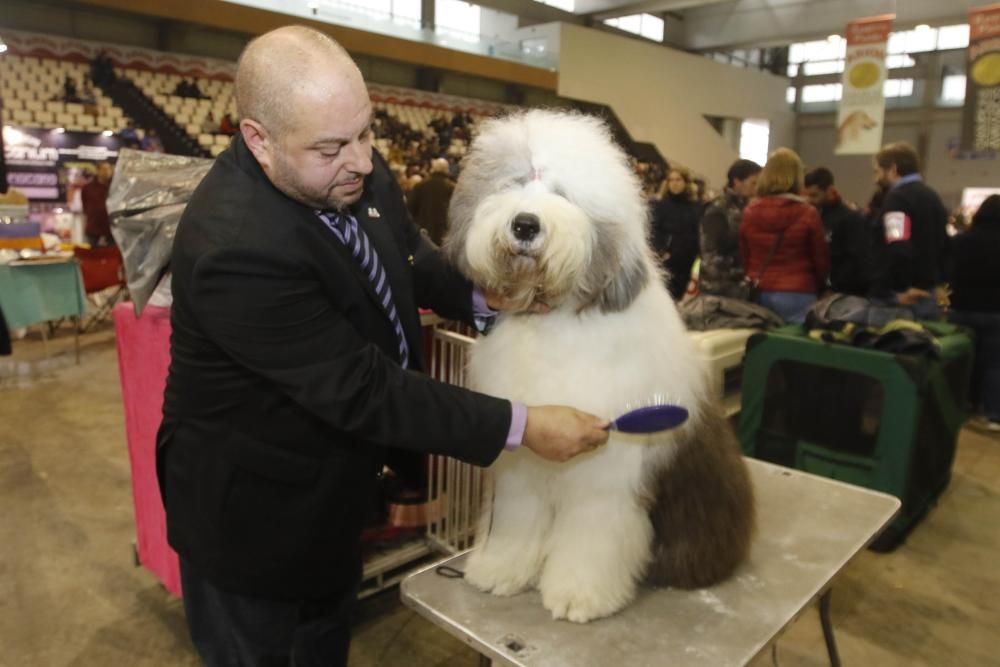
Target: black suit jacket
<point x="285" y="385"/>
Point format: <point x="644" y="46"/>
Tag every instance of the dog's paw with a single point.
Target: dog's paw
<point x="496" y="575"/>
<point x="580" y="605"/>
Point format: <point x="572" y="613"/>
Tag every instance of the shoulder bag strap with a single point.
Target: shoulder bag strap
<point x="770" y="254"/>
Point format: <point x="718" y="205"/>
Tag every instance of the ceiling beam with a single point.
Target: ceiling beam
<point x="530" y="12"/>
<point x="649" y="7"/>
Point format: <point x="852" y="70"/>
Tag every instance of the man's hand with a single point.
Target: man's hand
<point x="559" y="433"/>
<point x="911" y="296"/>
<point x="499" y="302"/>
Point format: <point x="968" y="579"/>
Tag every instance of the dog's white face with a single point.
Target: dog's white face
<point x="548" y="209"/>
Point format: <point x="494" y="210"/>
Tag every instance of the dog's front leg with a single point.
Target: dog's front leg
<point x="597" y="550"/>
<point x="508" y="555"/>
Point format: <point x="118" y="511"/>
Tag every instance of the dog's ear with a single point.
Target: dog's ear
<point x="619" y="270"/>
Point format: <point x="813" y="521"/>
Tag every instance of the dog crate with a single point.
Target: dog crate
<point x="884" y="421"/>
<point x="722" y="351"/>
<point x="455" y="489"/>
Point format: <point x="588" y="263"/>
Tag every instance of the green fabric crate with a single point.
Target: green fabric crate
<point x="883" y="421"/>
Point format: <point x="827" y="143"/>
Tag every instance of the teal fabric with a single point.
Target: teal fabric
<point x="31" y="293"/>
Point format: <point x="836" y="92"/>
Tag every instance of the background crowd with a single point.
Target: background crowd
<point x="780" y="236"/>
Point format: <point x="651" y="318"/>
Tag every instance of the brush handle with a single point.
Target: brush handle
<point x="650" y="419"/>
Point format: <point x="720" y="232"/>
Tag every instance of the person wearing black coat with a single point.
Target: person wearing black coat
<point x="429" y="199"/>
<point x="675" y="230"/>
<point x="912" y="252"/>
<point x="847" y="235"/>
<point x="975" y="302"/>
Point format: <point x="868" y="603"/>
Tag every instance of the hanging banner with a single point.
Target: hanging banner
<point x="862" y="103"/>
<point x="981" y="121"/>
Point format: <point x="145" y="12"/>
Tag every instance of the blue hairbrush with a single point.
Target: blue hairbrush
<point x="650" y="419"/>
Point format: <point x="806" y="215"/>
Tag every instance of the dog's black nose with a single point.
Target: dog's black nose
<point x="526" y="226"/>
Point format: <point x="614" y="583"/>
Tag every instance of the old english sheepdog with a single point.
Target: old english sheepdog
<point x="548" y="209"/>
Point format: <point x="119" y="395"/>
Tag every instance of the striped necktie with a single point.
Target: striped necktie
<point x="346" y="228"/>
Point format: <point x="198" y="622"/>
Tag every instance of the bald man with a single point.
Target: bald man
<point x="297" y="274"/>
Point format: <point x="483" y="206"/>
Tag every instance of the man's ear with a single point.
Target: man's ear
<point x="257" y="139"/>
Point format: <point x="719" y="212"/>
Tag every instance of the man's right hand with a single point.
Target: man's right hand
<point x="559" y="433"/>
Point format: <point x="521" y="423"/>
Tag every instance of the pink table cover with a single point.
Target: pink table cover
<point x="143" y="358"/>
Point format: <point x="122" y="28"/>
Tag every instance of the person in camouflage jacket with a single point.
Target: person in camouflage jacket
<point x="721" y="272"/>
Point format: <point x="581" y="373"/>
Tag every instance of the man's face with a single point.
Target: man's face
<point x="323" y="156"/>
<point x="885" y="177"/>
<point x="104" y="172"/>
<point x="817" y="196"/>
<point x="746" y="187"/>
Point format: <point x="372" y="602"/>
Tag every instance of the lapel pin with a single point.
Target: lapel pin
<point x="410" y="259"/>
<point x="373" y="212"/>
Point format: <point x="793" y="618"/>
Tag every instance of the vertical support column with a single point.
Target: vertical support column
<point x="427" y="18"/>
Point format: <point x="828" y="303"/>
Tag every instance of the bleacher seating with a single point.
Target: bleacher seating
<point x="32" y="90"/>
<point x="189" y="112"/>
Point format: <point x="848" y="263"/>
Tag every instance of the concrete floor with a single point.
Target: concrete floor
<point x="70" y="594"/>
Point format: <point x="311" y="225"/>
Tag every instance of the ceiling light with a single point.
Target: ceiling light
<point x="107" y="133"/>
<point x="59" y="130"/>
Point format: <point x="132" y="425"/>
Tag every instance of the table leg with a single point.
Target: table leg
<point x="45" y="339"/>
<point x="76" y="337"/>
<point x="824" y="619"/>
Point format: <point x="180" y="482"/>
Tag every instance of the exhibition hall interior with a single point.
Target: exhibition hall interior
<point x="559" y="333"/>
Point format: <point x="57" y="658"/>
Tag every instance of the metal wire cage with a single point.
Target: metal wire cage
<point x="455" y="490"/>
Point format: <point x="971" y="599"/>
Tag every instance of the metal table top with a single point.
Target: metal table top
<point x="809" y="527"/>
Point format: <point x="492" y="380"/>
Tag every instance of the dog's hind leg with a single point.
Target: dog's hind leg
<point x="508" y="555"/>
<point x="702" y="509"/>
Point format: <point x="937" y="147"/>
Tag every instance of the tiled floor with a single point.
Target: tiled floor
<point x="70" y="595"/>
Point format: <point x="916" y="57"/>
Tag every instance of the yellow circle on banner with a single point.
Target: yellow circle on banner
<point x="864" y="75"/>
<point x="986" y="70"/>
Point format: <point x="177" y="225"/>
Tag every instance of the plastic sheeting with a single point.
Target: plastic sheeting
<point x="148" y="194"/>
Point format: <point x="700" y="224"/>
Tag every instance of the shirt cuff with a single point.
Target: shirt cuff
<point x="482" y="314"/>
<point x="518" y="420"/>
<point x="479" y="306"/>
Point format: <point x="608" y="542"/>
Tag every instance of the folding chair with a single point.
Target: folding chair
<point x="102" y="268"/>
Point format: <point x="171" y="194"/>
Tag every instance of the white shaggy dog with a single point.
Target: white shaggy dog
<point x="547" y="209"/>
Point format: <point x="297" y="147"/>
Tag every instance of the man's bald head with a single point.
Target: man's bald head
<point x="276" y="68"/>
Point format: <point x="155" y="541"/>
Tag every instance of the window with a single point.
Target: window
<point x="898" y="88"/>
<point x="825" y="92"/>
<point x="374" y="8"/>
<point x="826" y="56"/>
<point x="953" y="88"/>
<point x="644" y="25"/>
<point x="824" y="49"/>
<point x="565" y="5"/>
<point x="823" y="67"/>
<point x="917" y="40"/>
<point x="406" y="9"/>
<point x="790" y="95"/>
<point x="953" y="37"/>
<point x="381" y="9"/>
<point x="754" y="137"/>
<point x="899" y="60"/>
<point x="457" y="17"/>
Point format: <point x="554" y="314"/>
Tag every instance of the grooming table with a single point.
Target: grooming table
<point x="809" y="528"/>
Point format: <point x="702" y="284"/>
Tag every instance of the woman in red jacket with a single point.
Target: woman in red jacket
<point x="781" y="225"/>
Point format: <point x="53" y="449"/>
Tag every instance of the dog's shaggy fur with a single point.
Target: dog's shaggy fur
<point x="672" y="508"/>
